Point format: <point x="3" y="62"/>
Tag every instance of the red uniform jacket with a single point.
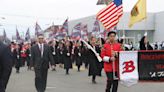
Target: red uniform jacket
<point x="107" y="52"/>
<point x="23" y="52"/>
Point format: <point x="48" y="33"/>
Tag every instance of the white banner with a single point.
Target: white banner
<point x="128" y="67"/>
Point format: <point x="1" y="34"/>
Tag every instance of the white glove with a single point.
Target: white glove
<point x="54" y="53"/>
<point x="18" y="56"/>
<point x="79" y="54"/>
<point x="106" y="59"/>
<point x="68" y="54"/>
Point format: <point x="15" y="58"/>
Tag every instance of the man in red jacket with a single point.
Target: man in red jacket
<point x="109" y="55"/>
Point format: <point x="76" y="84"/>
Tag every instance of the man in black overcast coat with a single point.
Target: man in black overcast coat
<point x="5" y="66"/>
<point x="41" y="57"/>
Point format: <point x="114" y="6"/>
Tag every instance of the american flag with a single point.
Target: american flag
<point x="60" y="36"/>
<point x="119" y="8"/>
<point x="63" y="31"/>
<point x="77" y="28"/>
<point x="65" y="26"/>
<point x="27" y="36"/>
<point x="54" y="31"/>
<point x="84" y="32"/>
<point x="17" y="35"/>
<point x="110" y="15"/>
<point x="96" y="27"/>
<point x="37" y="29"/>
<point x="76" y="32"/>
<point x="60" y="33"/>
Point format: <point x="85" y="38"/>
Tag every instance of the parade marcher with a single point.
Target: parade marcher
<point x="28" y="53"/>
<point x="12" y="49"/>
<point x="100" y="43"/>
<point x="84" y="53"/>
<point x="73" y="52"/>
<point x="156" y="46"/>
<point x="60" y="56"/>
<point x="162" y="46"/>
<point x="78" y="56"/>
<point x="53" y="47"/>
<point x="94" y="64"/>
<point x="5" y="66"/>
<point x="126" y="47"/>
<point x="24" y="54"/>
<point x="144" y="44"/>
<point x="41" y="56"/>
<point x="109" y="55"/>
<point x="67" y="57"/>
<point x="17" y="57"/>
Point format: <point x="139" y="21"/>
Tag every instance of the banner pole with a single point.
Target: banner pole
<point x="113" y="62"/>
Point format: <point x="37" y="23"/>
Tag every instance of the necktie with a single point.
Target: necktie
<point x="41" y="49"/>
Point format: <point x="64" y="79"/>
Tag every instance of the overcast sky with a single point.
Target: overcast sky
<point x="24" y="13"/>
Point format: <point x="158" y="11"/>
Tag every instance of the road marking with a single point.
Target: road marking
<point x="51" y="87"/>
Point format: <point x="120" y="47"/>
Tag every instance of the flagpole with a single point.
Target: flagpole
<point x="146" y="20"/>
<point x="80" y="32"/>
<point x="100" y="35"/>
<point x="68" y="27"/>
<point x="4" y="34"/>
<point x="113" y="63"/>
<point x="101" y="43"/>
<point x="53" y="29"/>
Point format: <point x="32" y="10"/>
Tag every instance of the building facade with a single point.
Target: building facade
<point x="152" y="25"/>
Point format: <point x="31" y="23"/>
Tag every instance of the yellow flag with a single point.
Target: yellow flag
<point x="138" y="12"/>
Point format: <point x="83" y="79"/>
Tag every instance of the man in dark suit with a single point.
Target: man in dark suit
<point x="5" y="66"/>
<point x="41" y="57"/>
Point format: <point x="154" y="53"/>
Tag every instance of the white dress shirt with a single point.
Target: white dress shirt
<point x="41" y="48"/>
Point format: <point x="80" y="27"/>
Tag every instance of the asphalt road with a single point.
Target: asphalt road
<point x="75" y="82"/>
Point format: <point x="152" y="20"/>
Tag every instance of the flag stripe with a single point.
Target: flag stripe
<point x="110" y="21"/>
<point x="110" y="15"/>
<point x="106" y="11"/>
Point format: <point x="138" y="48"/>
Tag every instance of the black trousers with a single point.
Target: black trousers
<point x="18" y="64"/>
<point x="94" y="78"/>
<point x="41" y="79"/>
<point x="28" y="61"/>
<point x="112" y="85"/>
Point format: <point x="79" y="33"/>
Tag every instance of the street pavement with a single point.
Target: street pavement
<point x="75" y="82"/>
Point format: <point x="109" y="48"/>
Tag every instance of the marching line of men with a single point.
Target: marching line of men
<point x="64" y="52"/>
<point x="41" y="55"/>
